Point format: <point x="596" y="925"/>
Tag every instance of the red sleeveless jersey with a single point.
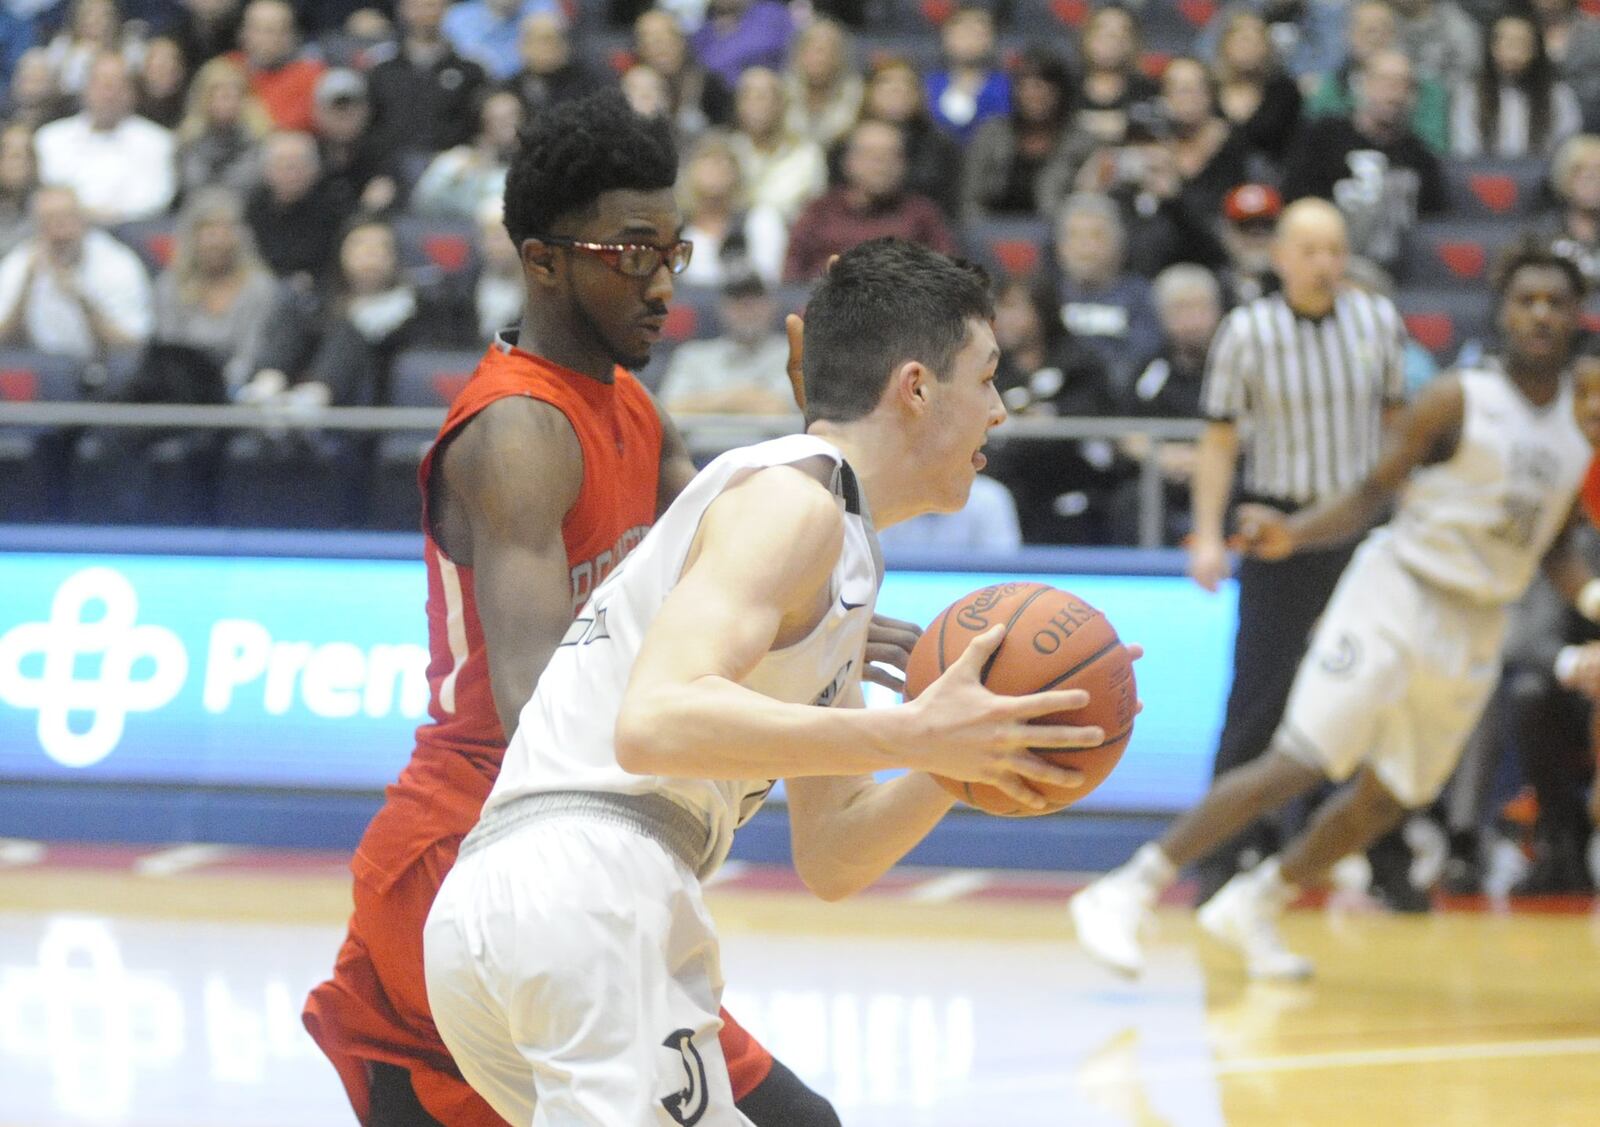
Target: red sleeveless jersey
<point x="1590" y="493"/>
<point x="458" y="754"/>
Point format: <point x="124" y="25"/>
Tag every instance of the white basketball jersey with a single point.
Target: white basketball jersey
<point x="564" y="738"/>
<point x="1479" y="523"/>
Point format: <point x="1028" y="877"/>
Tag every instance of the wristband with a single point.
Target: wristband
<point x="1588" y="600"/>
<point x="1566" y="663"/>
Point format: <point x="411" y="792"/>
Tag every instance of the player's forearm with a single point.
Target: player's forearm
<point x="1213" y="479"/>
<point x="1338" y="521"/>
<point x="713" y="728"/>
<point x="842" y="850"/>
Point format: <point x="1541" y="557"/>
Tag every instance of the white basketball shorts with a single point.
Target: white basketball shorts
<point x="574" y="974"/>
<point x="1397" y="674"/>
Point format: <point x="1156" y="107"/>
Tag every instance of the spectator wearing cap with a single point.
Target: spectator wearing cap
<point x="1014" y="163"/>
<point x="550" y="74"/>
<point x="1371" y="164"/>
<point x="1101" y="302"/>
<point x="119" y="165"/>
<point x="742" y="372"/>
<point x="1249" y="218"/>
<point x="486" y="31"/>
<point x="970" y="89"/>
<point x="356" y="168"/>
<point x="739" y="34"/>
<point x="871" y="203"/>
<point x="424" y="95"/>
<point x="280" y="78"/>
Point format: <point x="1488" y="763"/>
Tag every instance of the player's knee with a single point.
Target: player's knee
<point x="1285" y="773"/>
<point x="1381" y="805"/>
<point x="783" y="1100"/>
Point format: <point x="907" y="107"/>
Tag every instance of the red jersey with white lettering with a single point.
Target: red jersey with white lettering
<point x="458" y="755"/>
<point x="1589" y="495"/>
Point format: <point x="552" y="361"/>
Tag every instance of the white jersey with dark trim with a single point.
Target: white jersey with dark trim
<point x="1479" y="523"/>
<point x="565" y="734"/>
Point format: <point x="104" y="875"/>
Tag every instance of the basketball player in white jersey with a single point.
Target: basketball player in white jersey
<point x="1485" y="465"/>
<point x="572" y="968"/>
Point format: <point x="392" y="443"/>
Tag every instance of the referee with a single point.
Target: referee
<point x="1303" y="379"/>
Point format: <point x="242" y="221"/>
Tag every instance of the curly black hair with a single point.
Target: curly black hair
<point x="1536" y="250"/>
<point x="573" y="152"/>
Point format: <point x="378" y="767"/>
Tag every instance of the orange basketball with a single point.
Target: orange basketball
<point x="1054" y="640"/>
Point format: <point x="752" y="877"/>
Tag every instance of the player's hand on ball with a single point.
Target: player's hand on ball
<point x="1263" y="532"/>
<point x="967" y="732"/>
<point x="889" y="642"/>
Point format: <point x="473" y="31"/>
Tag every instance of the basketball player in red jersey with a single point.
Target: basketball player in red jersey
<point x="550" y="466"/>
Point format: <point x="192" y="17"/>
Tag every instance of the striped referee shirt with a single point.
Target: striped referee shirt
<point x="1308" y="392"/>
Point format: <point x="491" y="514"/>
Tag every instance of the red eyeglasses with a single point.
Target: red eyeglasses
<point x="637" y="260"/>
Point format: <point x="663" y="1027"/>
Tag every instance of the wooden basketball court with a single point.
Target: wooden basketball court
<point x="162" y="989"/>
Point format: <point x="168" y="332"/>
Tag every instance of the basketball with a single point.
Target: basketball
<point x="1054" y="640"/>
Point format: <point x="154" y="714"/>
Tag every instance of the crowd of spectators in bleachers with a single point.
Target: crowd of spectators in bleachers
<point x="272" y="203"/>
<point x="290" y="205"/>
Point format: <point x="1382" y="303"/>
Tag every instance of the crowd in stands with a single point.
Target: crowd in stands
<point x="273" y="203"/>
<point x="296" y="204"/>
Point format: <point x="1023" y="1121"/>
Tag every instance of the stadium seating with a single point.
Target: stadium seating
<point x="33" y="459"/>
<point x="1490" y="189"/>
<point x="422" y="377"/>
<point x="1008" y="247"/>
<point x="431" y="243"/>
<point x="1443" y="319"/>
<point x="298" y="479"/>
<point x="1454" y="252"/>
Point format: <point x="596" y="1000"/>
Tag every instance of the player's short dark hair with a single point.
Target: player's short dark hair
<point x="885" y="302"/>
<point x="573" y="152"/>
<point x="1536" y="251"/>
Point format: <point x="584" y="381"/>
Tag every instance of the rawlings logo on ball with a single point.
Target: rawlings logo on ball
<point x="975" y="615"/>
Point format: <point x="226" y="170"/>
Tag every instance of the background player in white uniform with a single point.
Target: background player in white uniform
<point x="572" y="967"/>
<point x="1408" y="651"/>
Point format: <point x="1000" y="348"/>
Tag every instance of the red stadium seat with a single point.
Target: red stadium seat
<point x="1491" y="188"/>
<point x="19" y="385"/>
<point x="1441" y="320"/>
<point x="937" y="11"/>
<point x="1452" y="252"/>
<point x="430" y="377"/>
<point x="682" y="322"/>
<point x="1073" y="13"/>
<point x="1017" y="257"/>
<point x="1197" y="12"/>
<point x="449" y="252"/>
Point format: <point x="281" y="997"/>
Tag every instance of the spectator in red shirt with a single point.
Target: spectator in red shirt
<point x="281" y="80"/>
<point x="871" y="203"/>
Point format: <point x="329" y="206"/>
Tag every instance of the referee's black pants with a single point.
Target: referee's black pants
<point x="1279" y="603"/>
